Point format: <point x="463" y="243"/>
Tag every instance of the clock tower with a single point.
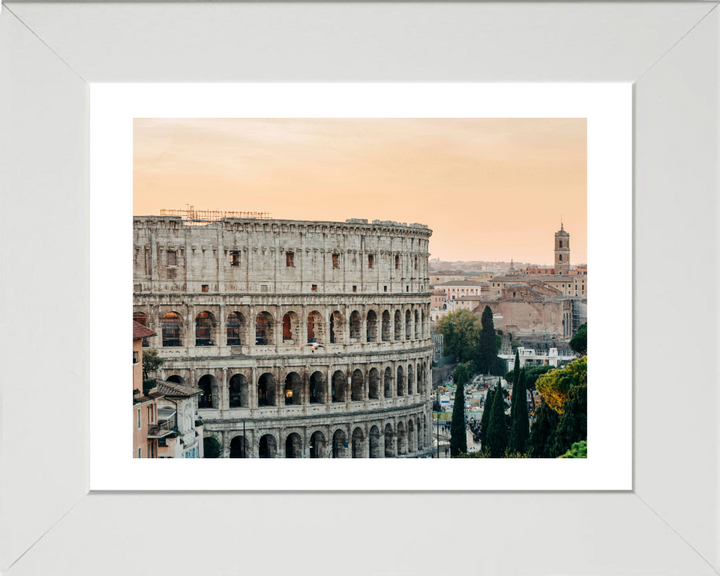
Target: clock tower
<point x="562" y="251"/>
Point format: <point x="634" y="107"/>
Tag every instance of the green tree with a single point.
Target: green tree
<point x="488" y="347"/>
<point x="497" y="434"/>
<point x="532" y="373"/>
<point x="542" y="435"/>
<point x="578" y="450"/>
<point x="578" y="343"/>
<point x="458" y="435"/>
<point x="211" y="447"/>
<point x="520" y="427"/>
<point x="516" y="378"/>
<point x="485" y="420"/>
<point x="151" y="362"/>
<point x="461" y="334"/>
<point x="572" y="426"/>
<point x="555" y="386"/>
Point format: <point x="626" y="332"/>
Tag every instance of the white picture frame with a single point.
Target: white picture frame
<point x="51" y="52"/>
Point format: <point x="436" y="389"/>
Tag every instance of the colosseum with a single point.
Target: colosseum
<point x="308" y="339"/>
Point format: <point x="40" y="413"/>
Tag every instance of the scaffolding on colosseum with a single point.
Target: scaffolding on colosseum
<point x="189" y="214"/>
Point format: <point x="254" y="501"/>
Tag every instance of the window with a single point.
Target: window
<point x="289" y="259"/>
<point x="137" y="288"/>
<point x="172" y="258"/>
<point x="136" y="356"/>
<point x="139" y="419"/>
<point x="560" y="243"/>
<point x="235" y="258"/>
<point x="371" y="260"/>
<point x="415" y="262"/>
<point x="354" y="288"/>
<point x="314" y="288"/>
<point x="203" y="329"/>
<point x="263" y="288"/>
<point x="140" y="452"/>
<point x="172" y="272"/>
<point x="171" y="329"/>
<point x="151" y="420"/>
<point x="397" y="262"/>
<point x="205" y="287"/>
<point x="336" y="260"/>
<point x="233" y="329"/>
<point x="385" y="288"/>
<point x="407" y="289"/>
<point x="560" y="257"/>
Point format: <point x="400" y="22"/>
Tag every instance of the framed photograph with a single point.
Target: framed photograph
<point x="289" y="328"/>
<point x="109" y="109"/>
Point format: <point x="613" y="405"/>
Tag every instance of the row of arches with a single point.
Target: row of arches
<point x="404" y="439"/>
<point x="389" y="326"/>
<point x="405" y="380"/>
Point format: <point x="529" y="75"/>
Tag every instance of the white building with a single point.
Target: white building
<point x="531" y="357"/>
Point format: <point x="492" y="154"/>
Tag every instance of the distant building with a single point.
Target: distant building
<point x="176" y="411"/>
<point x="437" y="340"/>
<point x="445" y="276"/>
<point x="562" y="251"/>
<point x="532" y="357"/>
<point x="458" y="289"/>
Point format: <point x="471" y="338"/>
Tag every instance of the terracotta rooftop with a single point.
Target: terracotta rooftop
<point x="175" y="390"/>
<point x="139" y="331"/>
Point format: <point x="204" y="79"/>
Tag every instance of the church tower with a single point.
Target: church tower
<point x="562" y="251"/>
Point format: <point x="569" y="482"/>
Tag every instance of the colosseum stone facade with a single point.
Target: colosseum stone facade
<point x="309" y="339"/>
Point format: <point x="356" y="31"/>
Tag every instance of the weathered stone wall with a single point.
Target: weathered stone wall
<point x="528" y="318"/>
<point x="235" y="305"/>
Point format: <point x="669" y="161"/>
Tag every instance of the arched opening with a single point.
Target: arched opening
<point x="398" y="325"/>
<point x="293" y="446"/>
<point x="388" y="382"/>
<point x="411" y="437"/>
<point x="317" y="388"/>
<point x="417" y="324"/>
<point x="371" y="326"/>
<point x="171" y="330"/>
<point x="266" y="390"/>
<point x="208" y="384"/>
<point x="358" y="443"/>
<point x="315" y="328"/>
<point x="293" y="389"/>
<point x="204" y="323"/>
<point x="336" y="328"/>
<point x="400" y="381"/>
<point x="374" y="384"/>
<point x="142" y="319"/>
<point x="176" y="379"/>
<point x="408" y="325"/>
<point x="267" y="447"/>
<point x="339" y="444"/>
<point x="317" y="445"/>
<point x="386" y="331"/>
<point x="389" y="444"/>
<point x="263" y="329"/>
<point x="420" y="435"/>
<point x="355" y="325"/>
<point x="357" y="386"/>
<point x="239" y="396"/>
<point x="290" y="327"/>
<point x="375" y="448"/>
<point x="339" y="383"/>
<point x="410" y="380"/>
<point x="422" y="324"/>
<point x="235" y="329"/>
<point x="401" y="446"/>
<point x="239" y="447"/>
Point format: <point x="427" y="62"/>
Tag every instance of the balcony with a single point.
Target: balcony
<point x="160" y="430"/>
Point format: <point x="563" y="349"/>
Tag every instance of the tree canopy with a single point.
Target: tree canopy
<point x="555" y="386"/>
<point x="497" y="433"/>
<point x="520" y="427"/>
<point x="578" y="343"/>
<point x="461" y="334"/>
<point x="488" y="344"/>
<point x="151" y="362"/>
<point x="458" y="435"/>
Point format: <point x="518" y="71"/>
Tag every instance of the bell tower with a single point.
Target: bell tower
<point x="562" y="251"/>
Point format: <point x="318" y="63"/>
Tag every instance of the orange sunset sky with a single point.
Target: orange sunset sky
<point x="490" y="189"/>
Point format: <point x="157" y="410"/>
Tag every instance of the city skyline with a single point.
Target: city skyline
<point x="490" y="189"/>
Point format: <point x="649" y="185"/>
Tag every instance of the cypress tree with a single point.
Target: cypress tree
<point x="520" y="428"/>
<point x="487" y="350"/>
<point x="516" y="378"/>
<point x="542" y="437"/>
<point x="572" y="424"/>
<point x="458" y="435"/>
<point x="497" y="434"/>
<point x="485" y="420"/>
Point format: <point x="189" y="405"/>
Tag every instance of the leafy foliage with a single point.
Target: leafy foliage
<point x="520" y="427"/>
<point x="497" y="433"/>
<point x="211" y="447"/>
<point x="572" y="426"/>
<point x="461" y="334"/>
<point x="578" y="343"/>
<point x="542" y="436"/>
<point x="458" y="436"/>
<point x="578" y="450"/>
<point x="151" y="362"/>
<point x="488" y="346"/>
<point x="555" y="386"/>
